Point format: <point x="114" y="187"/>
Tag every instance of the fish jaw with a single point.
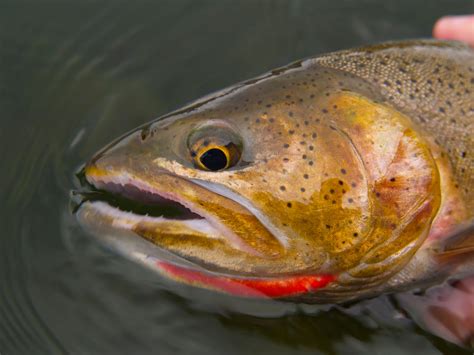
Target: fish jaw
<point x="116" y="230"/>
<point x="120" y="181"/>
<point x="278" y="287"/>
<point x="221" y="213"/>
<point x="263" y="280"/>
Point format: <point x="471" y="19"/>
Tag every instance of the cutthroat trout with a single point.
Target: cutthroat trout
<point x="331" y="179"/>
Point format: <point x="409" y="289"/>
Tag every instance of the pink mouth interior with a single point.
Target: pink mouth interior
<point x="260" y="288"/>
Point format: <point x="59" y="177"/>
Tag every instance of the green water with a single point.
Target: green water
<point x="76" y="74"/>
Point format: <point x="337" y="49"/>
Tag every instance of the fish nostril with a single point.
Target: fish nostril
<point x="145" y="132"/>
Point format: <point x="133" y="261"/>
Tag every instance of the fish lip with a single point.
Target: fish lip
<point x="120" y="237"/>
<point x="141" y="202"/>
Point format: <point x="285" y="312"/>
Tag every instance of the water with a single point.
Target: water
<point x="73" y="76"/>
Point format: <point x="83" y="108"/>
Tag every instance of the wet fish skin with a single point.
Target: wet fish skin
<point x="432" y="82"/>
<point x="353" y="164"/>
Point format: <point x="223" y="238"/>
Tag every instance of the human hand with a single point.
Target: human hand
<point x="460" y="28"/>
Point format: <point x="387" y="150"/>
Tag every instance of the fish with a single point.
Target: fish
<point x="334" y="178"/>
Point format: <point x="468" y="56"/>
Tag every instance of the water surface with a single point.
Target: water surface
<point x="76" y="74"/>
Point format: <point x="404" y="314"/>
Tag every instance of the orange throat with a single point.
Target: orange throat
<point x="248" y="287"/>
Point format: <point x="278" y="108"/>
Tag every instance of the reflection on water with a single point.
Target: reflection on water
<point x="75" y="75"/>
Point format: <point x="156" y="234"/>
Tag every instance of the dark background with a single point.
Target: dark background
<point x="76" y="74"/>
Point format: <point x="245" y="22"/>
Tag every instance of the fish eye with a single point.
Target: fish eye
<point x="214" y="147"/>
<point x="215" y="157"/>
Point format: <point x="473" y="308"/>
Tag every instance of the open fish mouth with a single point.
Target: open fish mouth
<point x="137" y="218"/>
<point x="170" y="199"/>
<point x="135" y="201"/>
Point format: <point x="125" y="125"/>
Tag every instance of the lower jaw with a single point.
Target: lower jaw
<point x="250" y="287"/>
<point x="247" y="287"/>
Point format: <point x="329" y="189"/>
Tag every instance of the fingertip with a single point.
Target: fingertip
<point x="460" y="28"/>
<point x="441" y="26"/>
<point x="452" y="27"/>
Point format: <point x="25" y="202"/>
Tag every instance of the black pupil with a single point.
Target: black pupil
<point x="214" y="159"/>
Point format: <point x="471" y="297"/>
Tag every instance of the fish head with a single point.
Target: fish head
<point x="288" y="185"/>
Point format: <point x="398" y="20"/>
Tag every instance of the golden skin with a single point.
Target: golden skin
<point x="338" y="174"/>
<point x="432" y="83"/>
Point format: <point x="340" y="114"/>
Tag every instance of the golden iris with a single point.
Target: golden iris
<point x="214" y="156"/>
